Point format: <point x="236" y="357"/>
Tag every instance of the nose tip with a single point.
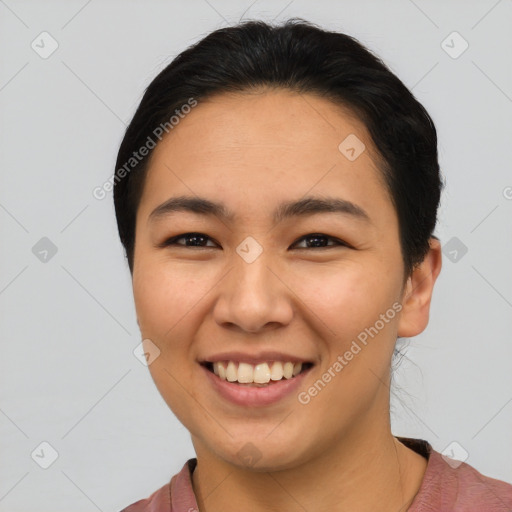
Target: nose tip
<point x="253" y="299"/>
<point x="257" y="317"/>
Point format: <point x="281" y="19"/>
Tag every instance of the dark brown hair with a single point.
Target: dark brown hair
<point x="298" y="56"/>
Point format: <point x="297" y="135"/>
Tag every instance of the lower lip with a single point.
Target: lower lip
<point x="255" y="396"/>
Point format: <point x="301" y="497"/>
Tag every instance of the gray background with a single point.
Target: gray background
<point x="68" y="373"/>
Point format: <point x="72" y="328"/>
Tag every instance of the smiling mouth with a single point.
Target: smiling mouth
<point x="258" y="375"/>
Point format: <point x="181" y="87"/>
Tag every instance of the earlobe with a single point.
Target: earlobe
<point x="418" y="293"/>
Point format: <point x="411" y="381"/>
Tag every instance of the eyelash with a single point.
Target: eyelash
<point x="173" y="240"/>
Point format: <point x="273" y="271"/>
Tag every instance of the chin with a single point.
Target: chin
<point x="259" y="454"/>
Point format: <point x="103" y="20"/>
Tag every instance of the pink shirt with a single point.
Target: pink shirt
<point x="444" y="488"/>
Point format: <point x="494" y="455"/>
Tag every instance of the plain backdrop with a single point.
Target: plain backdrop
<point x="68" y="374"/>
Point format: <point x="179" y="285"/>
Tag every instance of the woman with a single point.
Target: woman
<point x="276" y="194"/>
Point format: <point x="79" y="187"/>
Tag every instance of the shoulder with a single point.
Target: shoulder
<point x="454" y="486"/>
<point x="466" y="489"/>
<point x="159" y="501"/>
<point x="176" y="495"/>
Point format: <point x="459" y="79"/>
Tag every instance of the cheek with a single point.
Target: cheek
<point x="168" y="302"/>
<point x="357" y="342"/>
<point x="347" y="297"/>
<point x="164" y="295"/>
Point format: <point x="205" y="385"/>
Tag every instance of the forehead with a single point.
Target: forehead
<point x="240" y="122"/>
<point x="254" y="149"/>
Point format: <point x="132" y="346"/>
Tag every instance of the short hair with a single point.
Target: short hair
<point x="301" y="57"/>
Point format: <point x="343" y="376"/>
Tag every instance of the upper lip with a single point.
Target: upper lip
<point x="260" y="357"/>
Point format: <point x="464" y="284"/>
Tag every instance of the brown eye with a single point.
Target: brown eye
<point x="191" y="240"/>
<point x="318" y="240"/>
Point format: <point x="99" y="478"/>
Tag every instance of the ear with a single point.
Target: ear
<point x="418" y="293"/>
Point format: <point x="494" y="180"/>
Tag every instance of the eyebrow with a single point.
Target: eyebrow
<point x="300" y="208"/>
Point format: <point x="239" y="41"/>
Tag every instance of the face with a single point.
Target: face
<point x="263" y="279"/>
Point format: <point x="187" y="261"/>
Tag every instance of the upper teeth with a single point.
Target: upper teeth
<point x="260" y="373"/>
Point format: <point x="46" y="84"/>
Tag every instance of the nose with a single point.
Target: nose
<point x="253" y="297"/>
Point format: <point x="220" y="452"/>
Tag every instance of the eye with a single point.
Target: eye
<point x="195" y="239"/>
<point x="312" y="241"/>
<point x="318" y="240"/>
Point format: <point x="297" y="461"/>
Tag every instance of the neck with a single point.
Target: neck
<point x="365" y="471"/>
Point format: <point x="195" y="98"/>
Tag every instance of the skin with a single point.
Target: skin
<point x="252" y="152"/>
